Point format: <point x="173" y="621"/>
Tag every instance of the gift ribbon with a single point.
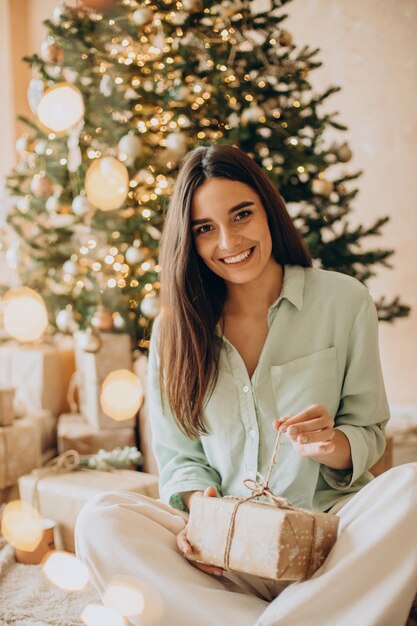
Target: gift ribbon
<point x="260" y="487"/>
<point x="66" y="462"/>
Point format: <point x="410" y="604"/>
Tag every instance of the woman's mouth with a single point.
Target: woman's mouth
<point x="238" y="259"/>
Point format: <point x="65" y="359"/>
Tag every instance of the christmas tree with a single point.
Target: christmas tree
<point x="121" y="91"/>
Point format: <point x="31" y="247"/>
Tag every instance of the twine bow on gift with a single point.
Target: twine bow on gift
<point x="260" y="487"/>
<point x="65" y="462"/>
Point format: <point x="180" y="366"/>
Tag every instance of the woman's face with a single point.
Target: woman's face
<point x="230" y="230"/>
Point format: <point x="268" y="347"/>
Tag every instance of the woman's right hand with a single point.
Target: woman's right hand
<point x="185" y="547"/>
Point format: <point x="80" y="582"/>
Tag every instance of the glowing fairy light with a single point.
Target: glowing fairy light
<point x="66" y="571"/>
<point x="97" y="615"/>
<point x="121" y="395"/>
<point x="22" y="526"/>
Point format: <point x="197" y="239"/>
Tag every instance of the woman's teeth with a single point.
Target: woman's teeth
<point x="239" y="258"/>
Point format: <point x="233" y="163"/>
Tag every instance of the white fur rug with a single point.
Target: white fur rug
<point x="27" y="598"/>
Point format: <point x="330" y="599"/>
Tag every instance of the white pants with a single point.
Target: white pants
<point x="369" y="578"/>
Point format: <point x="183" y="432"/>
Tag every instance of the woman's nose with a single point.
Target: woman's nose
<point x="228" y="239"/>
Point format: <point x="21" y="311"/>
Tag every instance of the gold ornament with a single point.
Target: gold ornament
<point x="344" y="153"/>
<point x="107" y="183"/>
<point x="41" y="186"/>
<point x="51" y="52"/>
<point x="150" y="306"/>
<point x="134" y="255"/>
<point x="143" y="16"/>
<point x="322" y="187"/>
<point x="285" y="38"/>
<point x="102" y="320"/>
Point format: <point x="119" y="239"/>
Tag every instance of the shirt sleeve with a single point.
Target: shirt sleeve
<point x="182" y="463"/>
<point x="363" y="411"/>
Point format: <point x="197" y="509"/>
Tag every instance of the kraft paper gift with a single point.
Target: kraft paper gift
<point x="39" y="375"/>
<point x="92" y="369"/>
<point x="20" y="450"/>
<point x="61" y="494"/>
<point x="75" y="433"/>
<point x="6" y="406"/>
<point x="272" y="539"/>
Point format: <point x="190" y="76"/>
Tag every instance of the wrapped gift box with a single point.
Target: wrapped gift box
<point x="7" y="395"/>
<point x="292" y="544"/>
<point x="39" y="375"/>
<point x="92" y="368"/>
<point x="20" y="449"/>
<point x="75" y="433"/>
<point x="61" y="496"/>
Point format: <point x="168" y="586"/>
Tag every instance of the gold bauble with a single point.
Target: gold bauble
<point x="285" y="38"/>
<point x="107" y="183"/>
<point x="322" y="187"/>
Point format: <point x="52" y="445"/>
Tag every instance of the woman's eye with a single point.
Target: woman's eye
<point x="203" y="229"/>
<point x="242" y="214"/>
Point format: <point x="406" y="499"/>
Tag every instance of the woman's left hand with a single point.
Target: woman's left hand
<point x="311" y="431"/>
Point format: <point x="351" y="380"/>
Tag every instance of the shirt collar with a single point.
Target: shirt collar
<point x="292" y="287"/>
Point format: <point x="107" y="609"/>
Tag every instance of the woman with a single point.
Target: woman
<point x="250" y="339"/>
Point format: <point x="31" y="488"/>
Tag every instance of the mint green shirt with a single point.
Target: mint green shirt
<point x="322" y="347"/>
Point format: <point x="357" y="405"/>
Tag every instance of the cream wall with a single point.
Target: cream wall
<point x="370" y="50"/>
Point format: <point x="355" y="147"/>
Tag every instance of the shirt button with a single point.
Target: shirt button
<point x="245" y="388"/>
<point x="252" y="433"/>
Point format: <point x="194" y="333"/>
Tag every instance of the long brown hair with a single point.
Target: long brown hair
<point x="192" y="295"/>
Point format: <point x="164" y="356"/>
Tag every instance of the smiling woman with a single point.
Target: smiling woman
<point x="252" y="338"/>
<point x="234" y="211"/>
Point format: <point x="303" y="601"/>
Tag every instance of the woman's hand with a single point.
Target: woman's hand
<point x="313" y="435"/>
<point x="185" y="547"/>
<point x="311" y="431"/>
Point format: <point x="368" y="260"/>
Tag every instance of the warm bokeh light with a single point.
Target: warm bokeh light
<point x="126" y="595"/>
<point x="66" y="571"/>
<point x="25" y="315"/>
<point x="131" y="597"/>
<point x="22" y="526"/>
<point x="97" y="615"/>
<point x="60" y="108"/>
<point x="121" y="395"/>
<point x="107" y="183"/>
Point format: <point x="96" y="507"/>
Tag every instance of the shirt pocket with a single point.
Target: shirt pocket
<point x="304" y="381"/>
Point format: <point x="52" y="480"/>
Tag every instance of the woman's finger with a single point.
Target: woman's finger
<point x="182" y="542"/>
<point x="207" y="569"/>
<point x="315" y="449"/>
<point x="312" y="412"/>
<point x="317" y="423"/>
<point x="317" y="436"/>
<point x="210" y="492"/>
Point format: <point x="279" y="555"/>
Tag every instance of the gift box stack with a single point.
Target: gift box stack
<point x="33" y="384"/>
<point x="59" y="491"/>
<point x="89" y="429"/>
